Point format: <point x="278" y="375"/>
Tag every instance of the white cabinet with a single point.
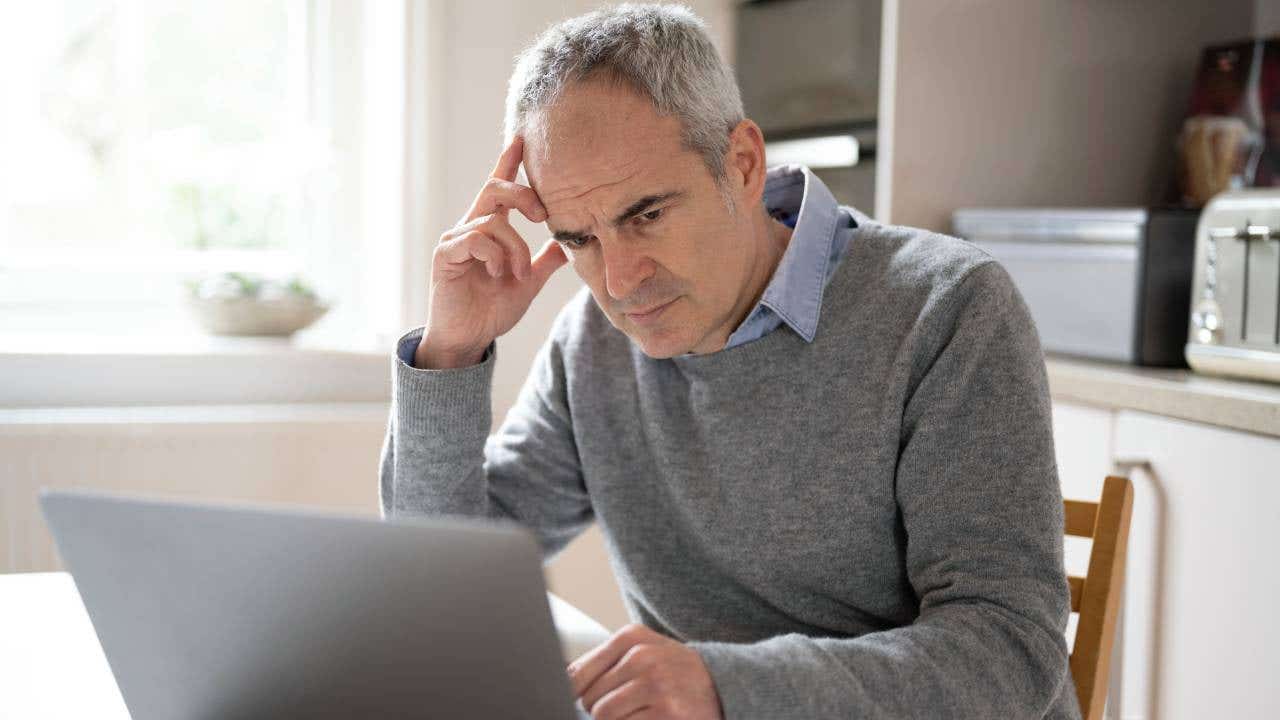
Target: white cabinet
<point x="1199" y="635"/>
<point x="1206" y="525"/>
<point x="1082" y="437"/>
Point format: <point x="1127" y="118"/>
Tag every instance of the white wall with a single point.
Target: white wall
<point x="1007" y="102"/>
<point x="475" y="47"/>
<point x="1266" y="18"/>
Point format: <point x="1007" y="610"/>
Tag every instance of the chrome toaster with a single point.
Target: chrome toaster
<point x="1235" y="287"/>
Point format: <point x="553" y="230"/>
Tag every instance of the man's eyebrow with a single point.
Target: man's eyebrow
<point x="643" y="204"/>
<point x="636" y="208"/>
<point x="568" y="235"/>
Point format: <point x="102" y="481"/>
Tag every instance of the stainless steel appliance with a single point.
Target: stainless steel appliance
<point x="1106" y="283"/>
<point x="809" y="71"/>
<point x="1235" y="296"/>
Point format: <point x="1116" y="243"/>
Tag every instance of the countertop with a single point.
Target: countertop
<point x="1238" y="404"/>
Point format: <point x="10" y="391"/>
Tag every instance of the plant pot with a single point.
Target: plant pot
<point x="278" y="317"/>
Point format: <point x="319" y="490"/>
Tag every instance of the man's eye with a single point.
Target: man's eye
<point x="651" y="216"/>
<point x="579" y="242"/>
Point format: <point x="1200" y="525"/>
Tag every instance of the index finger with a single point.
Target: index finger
<point x="585" y="670"/>
<point x="509" y="161"/>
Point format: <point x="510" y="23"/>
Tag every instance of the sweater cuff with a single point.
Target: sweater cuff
<point x="754" y="680"/>
<point x="423" y="396"/>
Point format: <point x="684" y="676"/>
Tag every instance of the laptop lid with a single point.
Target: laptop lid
<point x="208" y="611"/>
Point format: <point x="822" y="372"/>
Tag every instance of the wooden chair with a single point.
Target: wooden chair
<point x="1096" y="597"/>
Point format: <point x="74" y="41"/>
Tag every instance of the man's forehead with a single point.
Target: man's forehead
<point x="607" y="202"/>
<point x="577" y="185"/>
<point x="575" y="173"/>
<point x="595" y="143"/>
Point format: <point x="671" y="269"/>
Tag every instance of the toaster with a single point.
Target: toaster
<point x="1234" y="326"/>
<point x="1102" y="283"/>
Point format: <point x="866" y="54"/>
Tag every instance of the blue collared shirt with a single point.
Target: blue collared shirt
<point x="821" y="230"/>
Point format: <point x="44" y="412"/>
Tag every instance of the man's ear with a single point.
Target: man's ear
<point x="745" y="163"/>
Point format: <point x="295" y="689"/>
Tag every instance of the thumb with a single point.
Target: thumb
<point x="549" y="259"/>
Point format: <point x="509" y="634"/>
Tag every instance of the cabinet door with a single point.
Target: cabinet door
<point x="1201" y="636"/>
<point x="1082" y="437"/>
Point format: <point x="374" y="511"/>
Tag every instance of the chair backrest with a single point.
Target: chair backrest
<point x="1096" y="596"/>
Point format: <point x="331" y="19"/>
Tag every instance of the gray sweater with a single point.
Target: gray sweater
<point x="868" y="525"/>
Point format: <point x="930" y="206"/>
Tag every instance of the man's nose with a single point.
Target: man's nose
<point x="625" y="269"/>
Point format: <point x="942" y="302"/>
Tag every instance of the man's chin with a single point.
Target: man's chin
<point x="658" y="345"/>
<point x="659" y="341"/>
<point x="657" y="349"/>
<point x="663" y="354"/>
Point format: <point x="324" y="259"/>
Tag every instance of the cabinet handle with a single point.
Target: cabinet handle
<point x="1125" y="465"/>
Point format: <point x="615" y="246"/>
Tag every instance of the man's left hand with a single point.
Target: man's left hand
<point x="641" y="675"/>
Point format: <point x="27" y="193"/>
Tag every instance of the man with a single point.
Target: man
<point x="819" y="447"/>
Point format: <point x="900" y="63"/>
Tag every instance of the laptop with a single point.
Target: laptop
<point x="212" y="611"/>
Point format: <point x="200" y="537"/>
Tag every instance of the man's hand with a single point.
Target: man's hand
<point x="641" y="675"/>
<point x="482" y="278"/>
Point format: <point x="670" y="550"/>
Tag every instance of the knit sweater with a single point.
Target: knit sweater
<point x="867" y="525"/>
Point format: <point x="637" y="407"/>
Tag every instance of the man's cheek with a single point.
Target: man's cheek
<point x="590" y="268"/>
<point x="586" y="271"/>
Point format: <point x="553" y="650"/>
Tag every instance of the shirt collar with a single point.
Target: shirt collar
<point x="795" y="291"/>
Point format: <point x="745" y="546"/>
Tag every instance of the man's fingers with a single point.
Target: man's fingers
<point x="459" y="252"/>
<point x="621" y="702"/>
<point x="627" y="669"/>
<point x="497" y="228"/>
<point x="548" y="260"/>
<point x="517" y="252"/>
<point x="587" y="669"/>
<point x="498" y="195"/>
<point x="509" y="160"/>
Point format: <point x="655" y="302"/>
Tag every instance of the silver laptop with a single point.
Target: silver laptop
<point x="210" y="611"/>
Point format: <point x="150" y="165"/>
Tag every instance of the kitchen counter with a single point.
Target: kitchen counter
<point x="1238" y="404"/>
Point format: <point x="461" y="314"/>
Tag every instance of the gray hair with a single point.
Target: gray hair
<point x="661" y="51"/>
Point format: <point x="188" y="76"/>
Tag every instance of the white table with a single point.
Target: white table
<point x="52" y="667"/>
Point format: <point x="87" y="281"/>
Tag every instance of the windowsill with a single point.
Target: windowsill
<point x="187" y="343"/>
<point x="40" y="419"/>
<point x="80" y="370"/>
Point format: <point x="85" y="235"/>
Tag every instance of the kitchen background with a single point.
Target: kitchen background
<point x="971" y="105"/>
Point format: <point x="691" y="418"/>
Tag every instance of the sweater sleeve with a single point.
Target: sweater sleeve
<point x="981" y="506"/>
<point x="438" y="458"/>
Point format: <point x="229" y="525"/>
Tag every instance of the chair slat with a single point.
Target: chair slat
<point x="1100" y="601"/>
<point x="1077" y="589"/>
<point x="1080" y="517"/>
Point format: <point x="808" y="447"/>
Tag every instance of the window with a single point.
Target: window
<point x="146" y="143"/>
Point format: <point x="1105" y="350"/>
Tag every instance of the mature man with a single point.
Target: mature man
<point x="819" y="447"/>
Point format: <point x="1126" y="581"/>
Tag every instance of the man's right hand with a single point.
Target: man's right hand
<point x="482" y="278"/>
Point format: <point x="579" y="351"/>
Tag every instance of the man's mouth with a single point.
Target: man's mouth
<point x="650" y="315"/>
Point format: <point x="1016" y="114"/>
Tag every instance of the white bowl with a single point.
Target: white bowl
<point x="251" y="316"/>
